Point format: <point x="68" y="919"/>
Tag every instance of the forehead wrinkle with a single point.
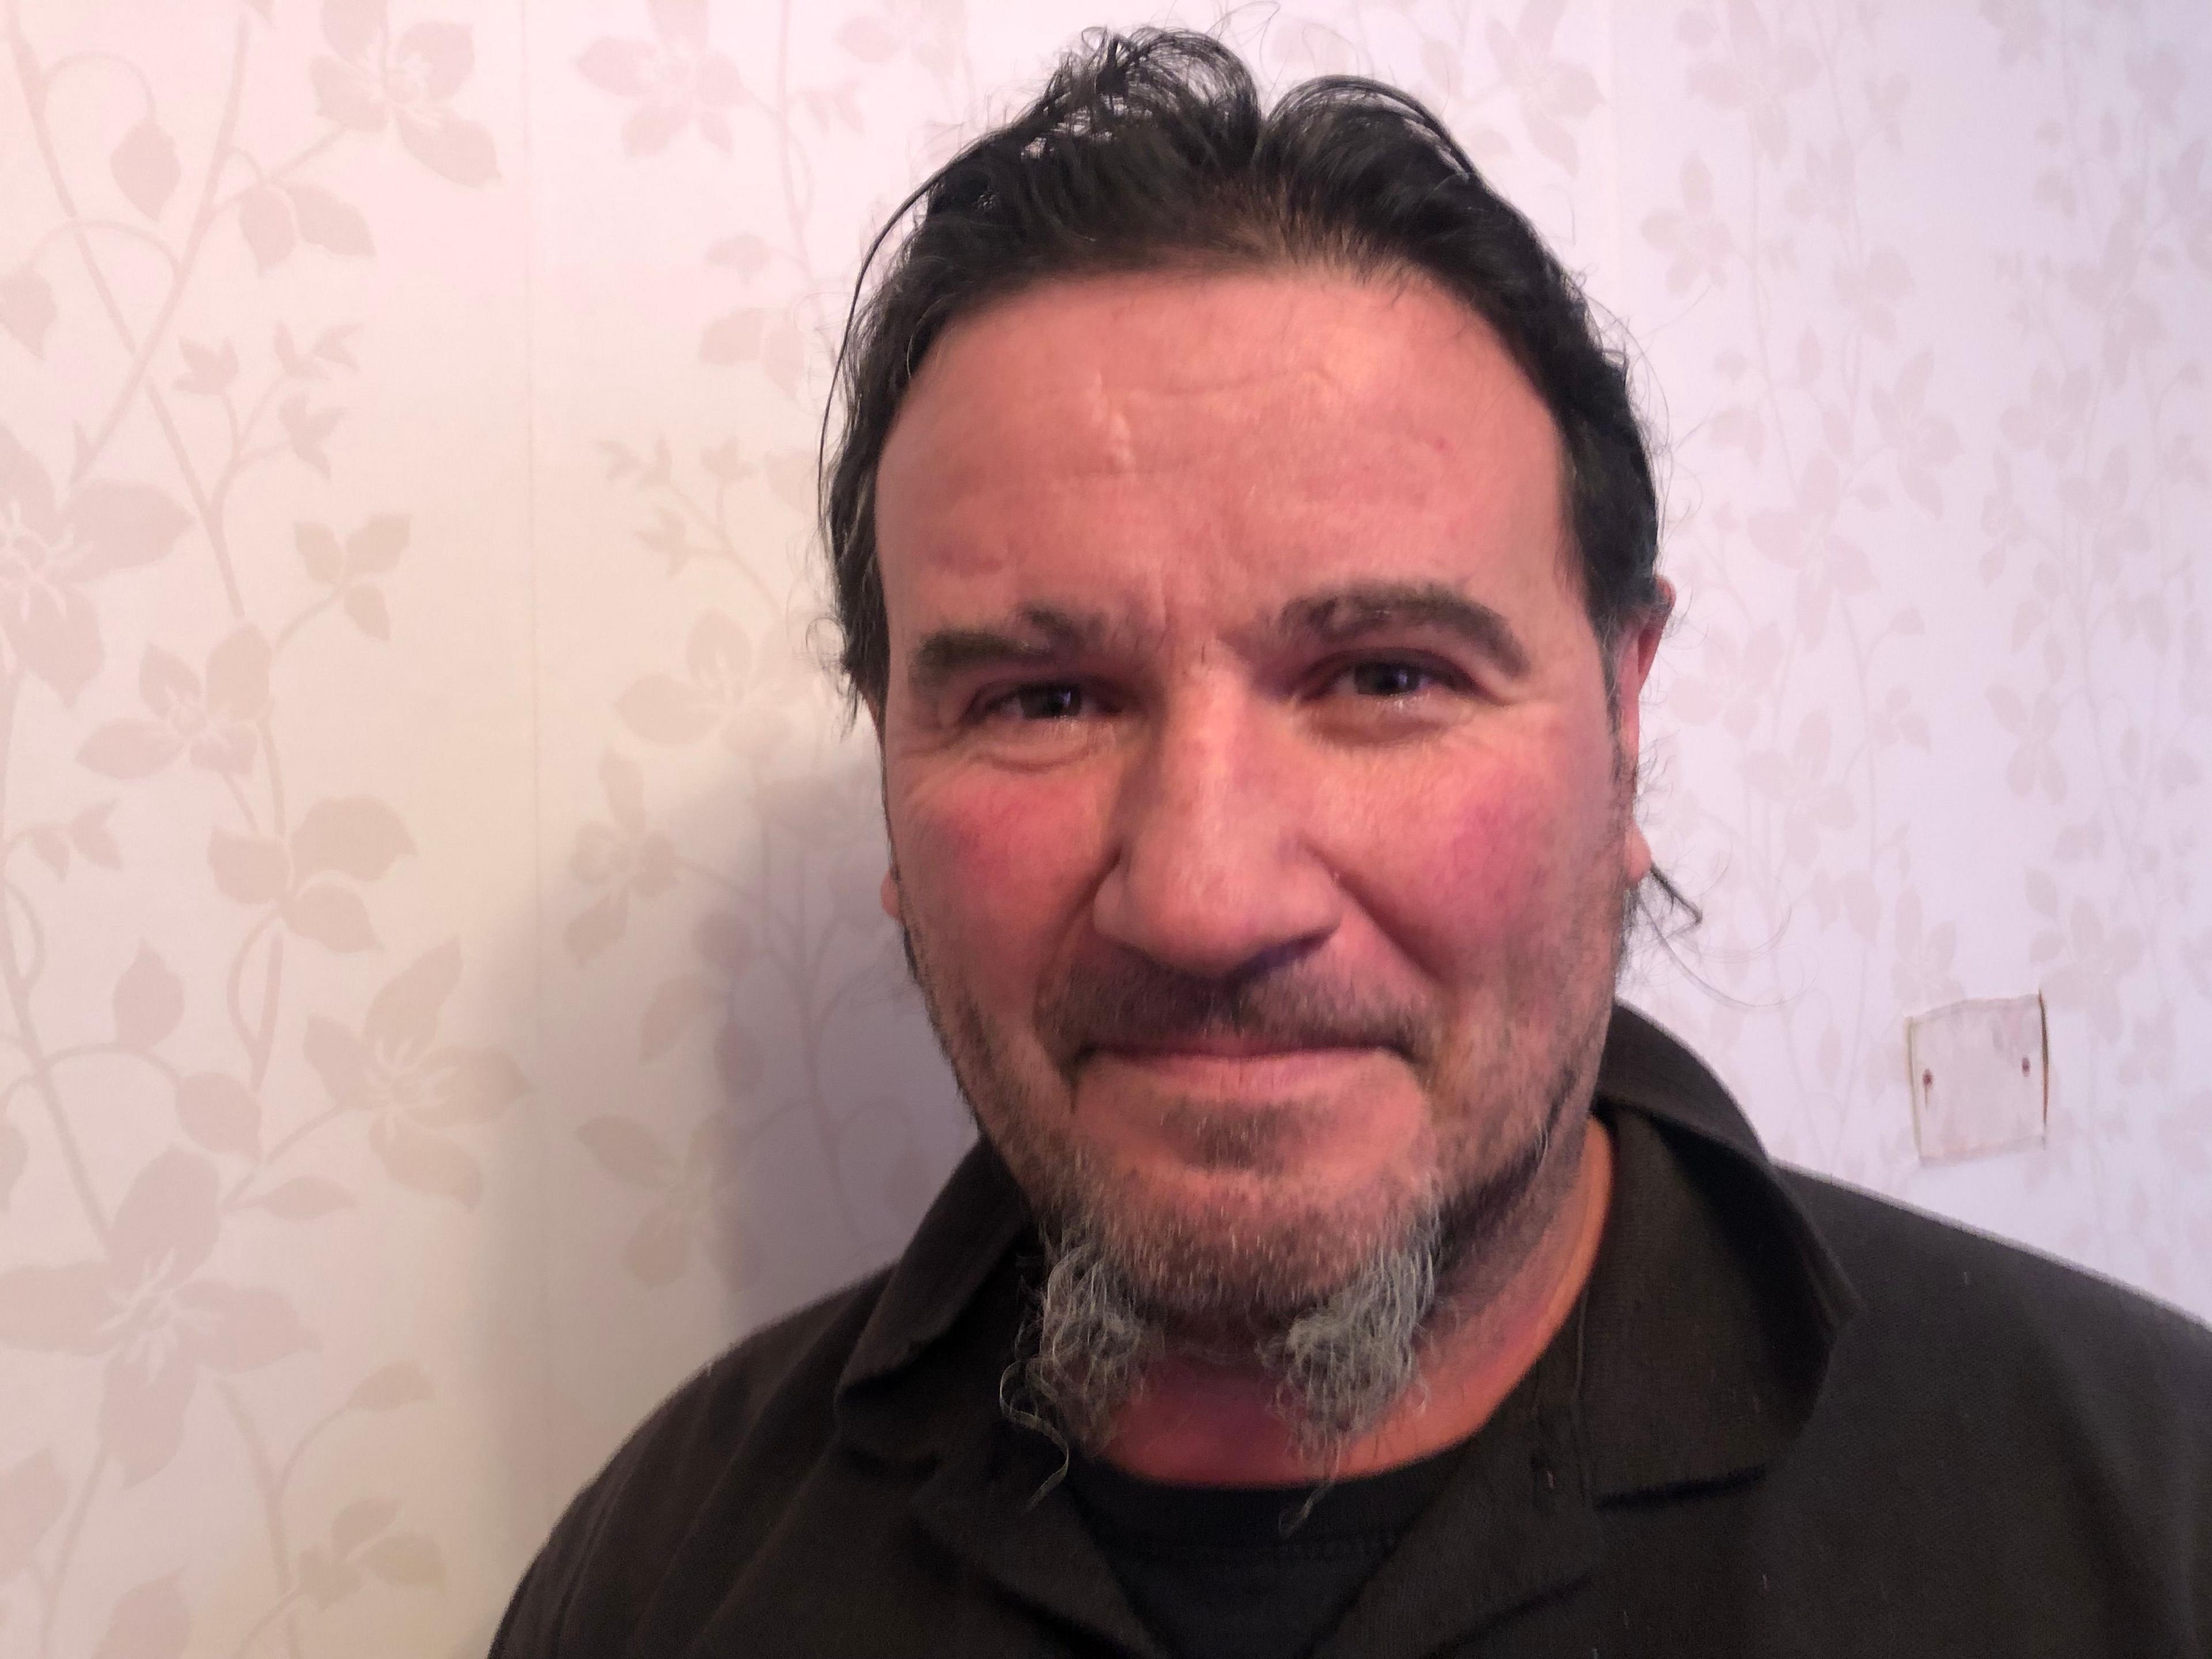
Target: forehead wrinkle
<point x="1090" y="412"/>
<point x="1041" y="431"/>
<point x="1104" y="429"/>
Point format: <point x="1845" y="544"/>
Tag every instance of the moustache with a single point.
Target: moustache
<point x="1132" y="1003"/>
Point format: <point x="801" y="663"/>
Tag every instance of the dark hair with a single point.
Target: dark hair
<point x="1149" y="151"/>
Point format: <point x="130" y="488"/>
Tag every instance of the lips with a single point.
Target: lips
<point x="1220" y="1048"/>
<point x="1234" y="1068"/>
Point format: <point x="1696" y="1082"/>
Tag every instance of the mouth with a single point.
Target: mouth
<point x="1234" y="1067"/>
<point x="1227" y="1047"/>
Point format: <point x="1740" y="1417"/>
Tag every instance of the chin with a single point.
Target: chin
<point x="1208" y="1245"/>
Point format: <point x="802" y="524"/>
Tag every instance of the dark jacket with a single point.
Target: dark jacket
<point x="1786" y="1419"/>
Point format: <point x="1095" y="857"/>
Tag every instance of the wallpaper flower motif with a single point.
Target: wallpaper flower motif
<point x="409" y="81"/>
<point x="213" y="718"/>
<point x="413" y="1094"/>
<point x="52" y="548"/>
<point x="143" y="1310"/>
<point x="675" y="80"/>
<point x="443" y="995"/>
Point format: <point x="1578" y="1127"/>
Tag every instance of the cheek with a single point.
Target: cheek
<point x="1469" y="871"/>
<point x="994" y="869"/>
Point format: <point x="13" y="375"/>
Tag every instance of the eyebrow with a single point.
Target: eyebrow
<point x="1340" y="615"/>
<point x="1043" y="635"/>
<point x="1051" y="634"/>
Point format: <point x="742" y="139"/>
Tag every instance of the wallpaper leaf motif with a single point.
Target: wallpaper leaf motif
<point x="400" y="1383"/>
<point x="220" y="1112"/>
<point x="303" y="1198"/>
<point x="149" y="1001"/>
<point x="150" y="1622"/>
<point x="134" y="1283"/>
<point x="28" y="308"/>
<point x="358" y="836"/>
<point x="33" y="1493"/>
<point x="327" y="223"/>
<point x="146" y="167"/>
<point x="15" y="1157"/>
<point x="265" y="222"/>
<point x="379" y="1062"/>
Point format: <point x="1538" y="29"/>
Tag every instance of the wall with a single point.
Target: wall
<point x="445" y="995"/>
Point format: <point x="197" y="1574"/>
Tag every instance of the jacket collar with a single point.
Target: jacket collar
<point x="976" y="1218"/>
<point x="1714" y="1303"/>
<point x="1676" y="1390"/>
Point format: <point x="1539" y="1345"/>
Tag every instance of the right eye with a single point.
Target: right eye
<point x="1046" y="700"/>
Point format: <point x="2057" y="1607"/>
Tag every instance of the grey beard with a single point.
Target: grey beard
<point x="1339" y="1365"/>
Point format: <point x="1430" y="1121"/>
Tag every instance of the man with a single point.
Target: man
<point x="1245" y="552"/>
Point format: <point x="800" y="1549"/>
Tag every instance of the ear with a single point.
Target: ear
<point x="888" y="893"/>
<point x="1633" y="652"/>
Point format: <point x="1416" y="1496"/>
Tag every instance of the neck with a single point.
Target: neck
<point x="1197" y="1423"/>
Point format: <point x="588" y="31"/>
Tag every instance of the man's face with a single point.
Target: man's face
<point x="1259" y="829"/>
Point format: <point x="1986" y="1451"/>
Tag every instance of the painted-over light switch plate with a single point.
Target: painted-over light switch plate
<point x="1980" y="1077"/>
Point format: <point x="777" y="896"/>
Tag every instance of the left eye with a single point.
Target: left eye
<point x="1386" y="678"/>
<point x="1043" y="702"/>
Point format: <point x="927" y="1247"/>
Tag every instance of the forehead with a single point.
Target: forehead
<point x="1309" y="423"/>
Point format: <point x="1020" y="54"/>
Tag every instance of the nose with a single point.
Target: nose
<point x="1214" y="870"/>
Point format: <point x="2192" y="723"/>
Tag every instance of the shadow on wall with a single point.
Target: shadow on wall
<point x="741" y="1105"/>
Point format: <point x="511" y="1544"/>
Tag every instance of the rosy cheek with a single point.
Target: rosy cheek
<point x="1455" y="873"/>
<point x="998" y="864"/>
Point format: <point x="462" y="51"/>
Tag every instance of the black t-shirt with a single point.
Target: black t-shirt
<point x="1250" y="1572"/>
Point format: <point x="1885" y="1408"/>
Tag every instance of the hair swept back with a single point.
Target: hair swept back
<point x="1150" y="151"/>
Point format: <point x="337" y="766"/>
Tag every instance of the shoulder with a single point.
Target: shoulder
<point x="1989" y="1345"/>
<point x="1907" y="1263"/>
<point x="758" y="1414"/>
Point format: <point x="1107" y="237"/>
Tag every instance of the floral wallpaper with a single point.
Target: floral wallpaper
<point x="445" y="998"/>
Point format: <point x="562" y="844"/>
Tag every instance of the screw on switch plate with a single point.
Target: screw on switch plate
<point x="1980" y="1077"/>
